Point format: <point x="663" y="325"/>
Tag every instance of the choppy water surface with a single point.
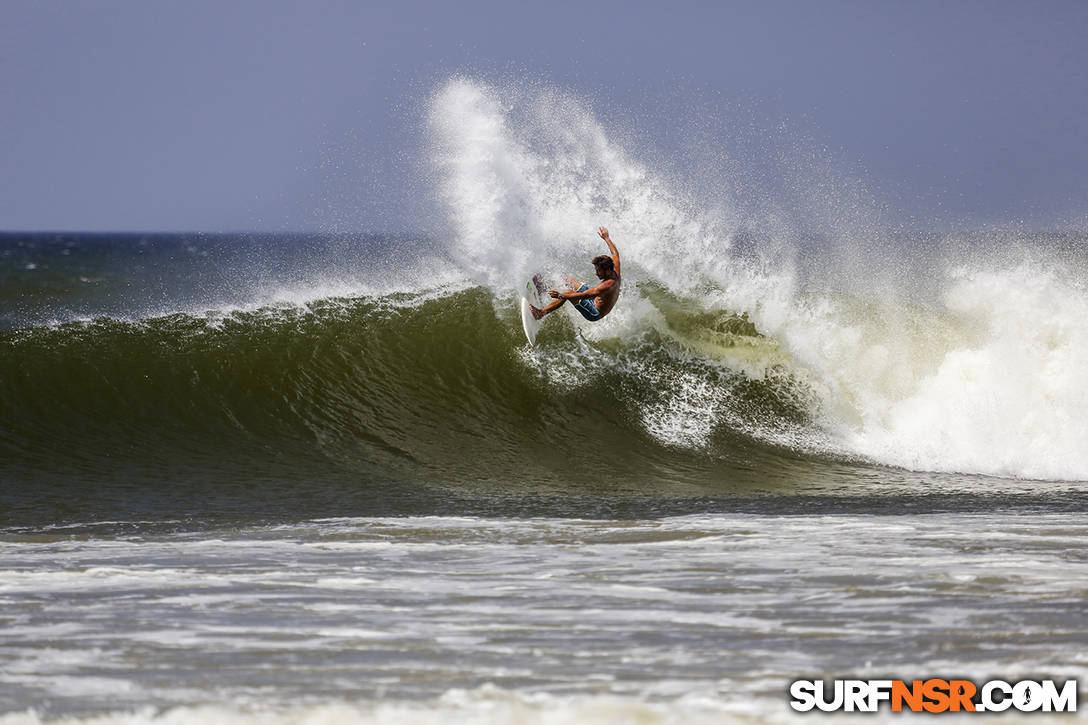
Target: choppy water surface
<point x="711" y="615"/>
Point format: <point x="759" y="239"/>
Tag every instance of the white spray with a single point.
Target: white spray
<point x="986" y="375"/>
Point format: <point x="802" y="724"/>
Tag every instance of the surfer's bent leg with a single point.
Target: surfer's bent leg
<point x="550" y="307"/>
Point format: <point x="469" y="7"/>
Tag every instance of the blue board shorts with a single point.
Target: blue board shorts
<point x="587" y="306"/>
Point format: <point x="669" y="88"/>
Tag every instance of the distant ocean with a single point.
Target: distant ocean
<point x="322" y="478"/>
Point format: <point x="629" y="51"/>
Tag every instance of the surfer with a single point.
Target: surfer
<point x="592" y="302"/>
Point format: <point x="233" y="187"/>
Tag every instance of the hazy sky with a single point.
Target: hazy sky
<point x="266" y="114"/>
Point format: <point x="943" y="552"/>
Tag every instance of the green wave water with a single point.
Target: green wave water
<point x="410" y="403"/>
<point x="394" y="387"/>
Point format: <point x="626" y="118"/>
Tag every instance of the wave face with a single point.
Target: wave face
<point x="408" y="403"/>
<point x="745" y="353"/>
<point x="404" y="387"/>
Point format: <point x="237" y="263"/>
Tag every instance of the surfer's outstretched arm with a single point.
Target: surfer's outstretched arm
<point x="558" y="298"/>
<point x="602" y="232"/>
<point x="583" y="294"/>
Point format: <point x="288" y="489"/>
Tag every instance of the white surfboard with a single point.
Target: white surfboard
<point x="530" y="324"/>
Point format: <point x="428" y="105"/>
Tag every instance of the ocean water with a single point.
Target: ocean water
<point x="322" y="478"/>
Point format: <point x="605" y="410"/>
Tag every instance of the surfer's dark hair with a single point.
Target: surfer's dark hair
<point x="603" y="261"/>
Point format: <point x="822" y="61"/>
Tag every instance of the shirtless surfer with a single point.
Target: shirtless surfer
<point x="593" y="302"/>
